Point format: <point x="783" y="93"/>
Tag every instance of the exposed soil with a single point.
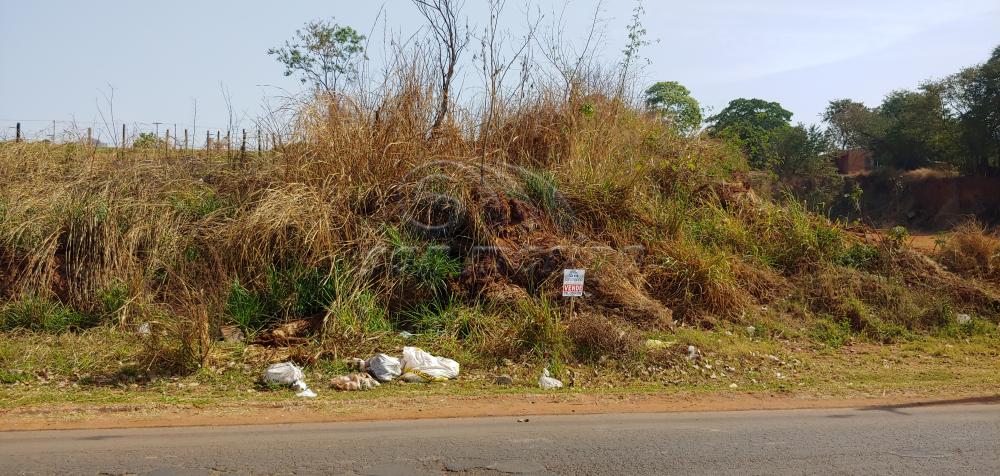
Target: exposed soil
<point x="927" y="201"/>
<point x="407" y="408"/>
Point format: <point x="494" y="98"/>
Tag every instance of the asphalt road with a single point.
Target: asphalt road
<point x="940" y="439"/>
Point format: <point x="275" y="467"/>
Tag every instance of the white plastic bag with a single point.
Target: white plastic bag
<point x="285" y="373"/>
<point x="546" y="382"/>
<point x="421" y="367"/>
<point x="384" y="368"/>
<point x="306" y="394"/>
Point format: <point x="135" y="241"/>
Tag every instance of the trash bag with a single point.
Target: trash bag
<point x="385" y="368"/>
<point x="546" y="382"/>
<point x="285" y="373"/>
<point x="421" y="367"/>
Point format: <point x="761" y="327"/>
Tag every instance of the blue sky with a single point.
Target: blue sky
<point x="58" y="58"/>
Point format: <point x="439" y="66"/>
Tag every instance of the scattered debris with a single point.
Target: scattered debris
<point x="523" y="420"/>
<point x="354" y="382"/>
<point x="306" y="394"/>
<point x="503" y="380"/>
<point x="407" y="335"/>
<point x="963" y="318"/>
<point x="287" y="334"/>
<point x="421" y="367"/>
<point x="751" y="330"/>
<point x="693" y="353"/>
<point x="144" y="329"/>
<point x="546" y="382"/>
<point x="733" y="385"/>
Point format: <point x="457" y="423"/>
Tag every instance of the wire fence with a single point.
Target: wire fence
<point x="174" y="135"/>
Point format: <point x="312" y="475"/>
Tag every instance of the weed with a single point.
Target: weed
<point x="428" y="267"/>
<point x="114" y="299"/>
<point x="246" y="310"/>
<point x="540" y="330"/>
<point x="44" y="315"/>
<point x="831" y="333"/>
<point x="197" y="203"/>
<point x="859" y="256"/>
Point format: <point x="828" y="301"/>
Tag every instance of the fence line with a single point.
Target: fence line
<point x="146" y="133"/>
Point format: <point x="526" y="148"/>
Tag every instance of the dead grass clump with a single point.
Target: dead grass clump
<point x="595" y="336"/>
<point x="700" y="286"/>
<point x="970" y="250"/>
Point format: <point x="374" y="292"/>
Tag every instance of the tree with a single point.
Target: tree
<point x="919" y="129"/>
<point x="752" y="123"/>
<point x="802" y="150"/>
<point x="852" y="124"/>
<point x="674" y="104"/>
<point x="975" y="94"/>
<point x="322" y="53"/>
<point x="442" y="18"/>
<point x="804" y="166"/>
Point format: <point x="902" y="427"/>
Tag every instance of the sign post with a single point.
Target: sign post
<point x="573" y="286"/>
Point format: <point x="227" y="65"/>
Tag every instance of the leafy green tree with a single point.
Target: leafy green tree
<point x="674" y="103"/>
<point x="753" y="124"/>
<point x="919" y="129"/>
<point x="975" y="95"/>
<point x="953" y="121"/>
<point x="804" y="166"/>
<point x="803" y="150"/>
<point x="852" y="124"/>
<point x="322" y="53"/>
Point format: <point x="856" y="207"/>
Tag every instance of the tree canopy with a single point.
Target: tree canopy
<point x="674" y="103"/>
<point x="754" y="124"/>
<point x="952" y="121"/>
<point x="322" y="53"/>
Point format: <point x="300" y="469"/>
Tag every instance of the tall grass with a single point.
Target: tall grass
<point x="368" y="222"/>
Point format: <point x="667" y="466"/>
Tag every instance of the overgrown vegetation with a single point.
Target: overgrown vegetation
<point x="379" y="215"/>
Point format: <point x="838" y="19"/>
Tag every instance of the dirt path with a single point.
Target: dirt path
<point x="406" y="408"/>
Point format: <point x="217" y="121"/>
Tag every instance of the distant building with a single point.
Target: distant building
<point x="854" y="161"/>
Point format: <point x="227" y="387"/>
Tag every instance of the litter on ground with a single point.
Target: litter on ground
<point x="354" y="382"/>
<point x="547" y="382"/>
<point x="422" y="367"/>
<point x="287" y="373"/>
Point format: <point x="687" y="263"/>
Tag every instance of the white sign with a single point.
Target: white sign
<point x="573" y="282"/>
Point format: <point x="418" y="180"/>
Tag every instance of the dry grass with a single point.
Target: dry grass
<point x="365" y="223"/>
<point x="970" y="250"/>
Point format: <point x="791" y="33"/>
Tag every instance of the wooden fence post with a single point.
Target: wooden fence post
<point x="123" y="135"/>
<point x="17" y="135"/>
<point x="90" y="137"/>
<point x="185" y="139"/>
<point x="208" y="140"/>
<point x="258" y="142"/>
<point x="166" y="144"/>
